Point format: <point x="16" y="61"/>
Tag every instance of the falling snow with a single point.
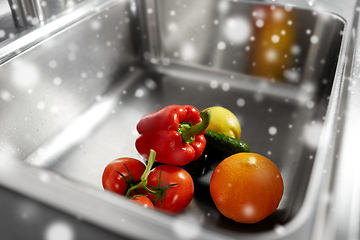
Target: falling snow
<point x="5" y="95"/>
<point x="151" y="84"/>
<point x="272" y="130"/>
<point x="240" y="102"/>
<point x="41" y="105"/>
<point x="314" y="39"/>
<point x="139" y="93"/>
<point x="221" y="45"/>
<point x="225" y="87"/>
<point x="2" y="33"/>
<point x="59" y="231"/>
<point x="53" y="64"/>
<point x="214" y="84"/>
<point x="57" y="81"/>
<point x="259" y="23"/>
<point x="99" y="74"/>
<point x="275" y="38"/>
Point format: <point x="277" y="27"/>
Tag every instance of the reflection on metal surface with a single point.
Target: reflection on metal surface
<point x="26" y="13"/>
<point x="280" y="44"/>
<point x="80" y="128"/>
<point x="35" y="12"/>
<point x="273" y="44"/>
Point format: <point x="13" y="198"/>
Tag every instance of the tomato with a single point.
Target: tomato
<point x="246" y="187"/>
<point x="112" y="179"/>
<point x="177" y="186"/>
<point x="143" y="201"/>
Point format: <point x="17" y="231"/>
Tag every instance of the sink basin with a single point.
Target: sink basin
<point x="71" y="99"/>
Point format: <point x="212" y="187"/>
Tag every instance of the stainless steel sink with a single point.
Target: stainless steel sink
<point x="73" y="90"/>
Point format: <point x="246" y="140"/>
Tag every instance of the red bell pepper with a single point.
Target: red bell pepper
<point x="175" y="133"/>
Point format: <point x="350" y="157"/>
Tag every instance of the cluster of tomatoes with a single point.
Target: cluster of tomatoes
<point x="166" y="188"/>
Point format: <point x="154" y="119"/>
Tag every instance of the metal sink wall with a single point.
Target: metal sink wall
<point x="70" y="102"/>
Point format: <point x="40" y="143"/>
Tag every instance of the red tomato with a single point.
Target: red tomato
<point x="143" y="201"/>
<point x="114" y="182"/>
<point x="175" y="198"/>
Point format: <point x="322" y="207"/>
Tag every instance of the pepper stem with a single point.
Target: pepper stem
<point x="189" y="131"/>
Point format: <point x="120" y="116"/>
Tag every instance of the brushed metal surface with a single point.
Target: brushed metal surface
<point x="70" y="103"/>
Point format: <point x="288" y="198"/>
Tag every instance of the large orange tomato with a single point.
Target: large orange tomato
<point x="246" y="187"/>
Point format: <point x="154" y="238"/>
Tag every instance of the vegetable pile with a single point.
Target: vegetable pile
<point x="179" y="144"/>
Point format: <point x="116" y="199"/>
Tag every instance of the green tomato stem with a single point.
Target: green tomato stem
<point x="149" y="165"/>
<point x="149" y="190"/>
<point x="144" y="176"/>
